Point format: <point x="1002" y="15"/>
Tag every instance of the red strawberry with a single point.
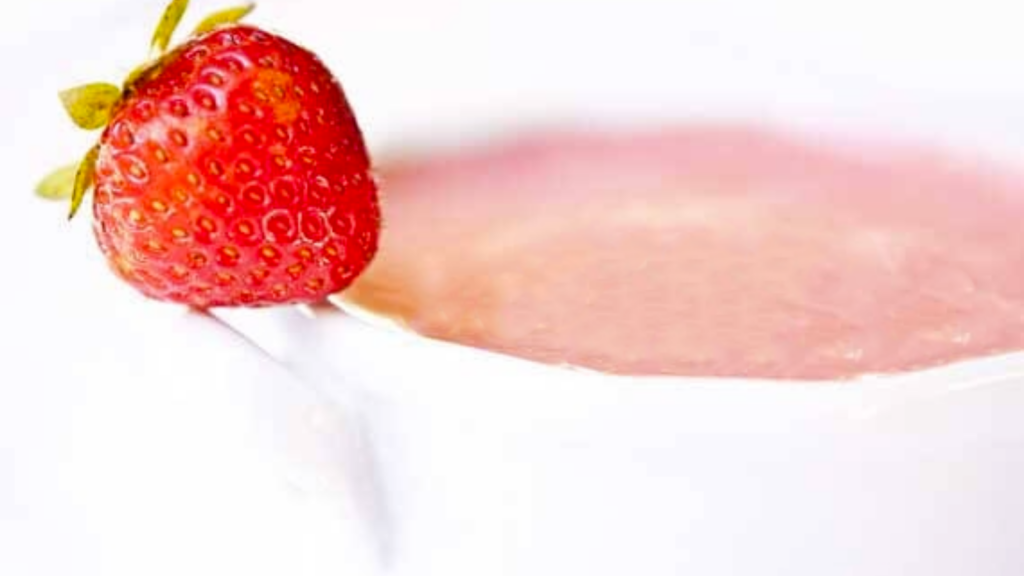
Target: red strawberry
<point x="231" y="171"/>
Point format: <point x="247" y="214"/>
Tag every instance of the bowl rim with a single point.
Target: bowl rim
<point x="494" y="376"/>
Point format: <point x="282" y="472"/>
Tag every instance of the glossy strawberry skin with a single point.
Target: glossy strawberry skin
<point x="235" y="174"/>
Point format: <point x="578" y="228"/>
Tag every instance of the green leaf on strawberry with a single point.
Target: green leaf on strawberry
<point x="90" y="105"/>
<point x="58" y="185"/>
<point x="168" y="24"/>
<point x="84" y="176"/>
<point x="221" y="17"/>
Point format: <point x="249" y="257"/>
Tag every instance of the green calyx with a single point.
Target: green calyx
<point x="221" y="17"/>
<point x="90" y="106"/>
<point x="168" y="24"/>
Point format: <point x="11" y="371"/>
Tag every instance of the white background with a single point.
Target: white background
<point x="127" y="444"/>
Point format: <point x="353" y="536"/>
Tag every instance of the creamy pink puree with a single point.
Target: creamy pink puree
<point x="711" y="251"/>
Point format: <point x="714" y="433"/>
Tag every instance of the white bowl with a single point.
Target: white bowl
<point x="492" y="465"/>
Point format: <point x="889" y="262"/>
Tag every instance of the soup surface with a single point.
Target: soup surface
<point x="704" y="250"/>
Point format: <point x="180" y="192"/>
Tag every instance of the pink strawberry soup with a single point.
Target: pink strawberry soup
<point x="704" y="251"/>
